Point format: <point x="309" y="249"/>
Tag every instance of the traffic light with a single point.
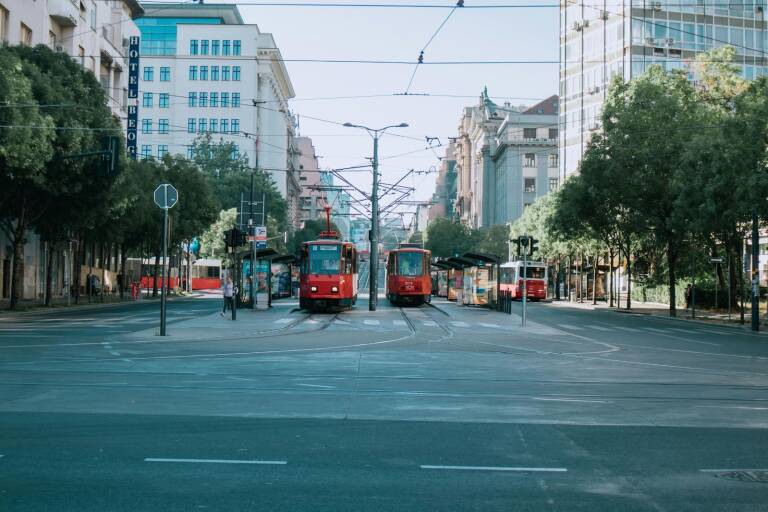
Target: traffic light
<point x="110" y="156"/>
<point x="228" y="238"/>
<point x="242" y="238"/>
<point x="516" y="241"/>
<point x="534" y="246"/>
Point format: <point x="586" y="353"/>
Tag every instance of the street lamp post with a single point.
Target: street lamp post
<point x="374" y="236"/>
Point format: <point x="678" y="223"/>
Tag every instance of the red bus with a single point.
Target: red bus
<point x="536" y="282"/>
<point x="409" y="280"/>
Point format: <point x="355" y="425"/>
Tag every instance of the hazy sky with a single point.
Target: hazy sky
<point x="399" y="34"/>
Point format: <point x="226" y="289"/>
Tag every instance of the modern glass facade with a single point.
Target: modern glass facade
<point x="158" y="35"/>
<point x="598" y="42"/>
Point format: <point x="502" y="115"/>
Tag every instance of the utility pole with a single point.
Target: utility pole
<point x="374" y="232"/>
<point x="252" y="234"/>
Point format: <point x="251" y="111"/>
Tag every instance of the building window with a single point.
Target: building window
<point x="193" y="72"/>
<point x="162" y="126"/>
<point x="146" y="152"/>
<point x="529" y="160"/>
<point x="149" y="73"/>
<point x="235" y="124"/>
<point x="203" y="72"/>
<point x="214" y="125"/>
<point x="81" y="55"/>
<point x="553" y="183"/>
<point x="214" y="99"/>
<point x="235" y="151"/>
<point x="93" y="19"/>
<point x="52" y="40"/>
<point x="203" y="99"/>
<point x="190" y="152"/>
<point x="193" y="47"/>
<point x="26" y="35"/>
<point x="224" y="125"/>
<point x="162" y="150"/>
<point x="146" y="126"/>
<point x="165" y="74"/>
<point x="192" y="99"/>
<point x="164" y="100"/>
<point x="554" y="160"/>
<point x="225" y="99"/>
<point x="225" y="47"/>
<point x="530" y="184"/>
<point x="147" y="100"/>
<point x="526" y="206"/>
<point x="553" y="133"/>
<point x="191" y="125"/>
<point x="236" y="47"/>
<point x="204" y="47"/>
<point x="529" y="133"/>
<point x="235" y="99"/>
<point x="215" y="47"/>
<point x="214" y="72"/>
<point x="4" y="24"/>
<point x="202" y="124"/>
<point x="236" y="73"/>
<point x="225" y="73"/>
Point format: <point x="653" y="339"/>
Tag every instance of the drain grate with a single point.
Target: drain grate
<point x="760" y="476"/>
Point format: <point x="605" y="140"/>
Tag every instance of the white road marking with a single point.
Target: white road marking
<point x="598" y="328"/>
<point x="317" y="386"/>
<point x="220" y="461"/>
<point x="399" y="322"/>
<point x="570" y="327"/>
<point x="653" y="329"/>
<point x="731" y="469"/>
<point x="371" y="322"/>
<point x="495" y="326"/>
<point x="496" y="468"/>
<point x="114" y="353"/>
<point x="742" y="407"/>
<point x="310" y="321"/>
<point x="429" y="323"/>
<point x="571" y="400"/>
<point x="283" y="321"/>
<point x="460" y="324"/>
<point x="628" y="329"/>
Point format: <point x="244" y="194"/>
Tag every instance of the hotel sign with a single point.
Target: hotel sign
<point x="133" y="94"/>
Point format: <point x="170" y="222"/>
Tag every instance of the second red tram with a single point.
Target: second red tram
<point x="408" y="275"/>
<point x="536" y="282"/>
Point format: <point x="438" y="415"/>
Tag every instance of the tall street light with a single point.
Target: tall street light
<point x="374" y="235"/>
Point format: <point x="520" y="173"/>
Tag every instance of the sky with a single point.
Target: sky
<point x="399" y="34"/>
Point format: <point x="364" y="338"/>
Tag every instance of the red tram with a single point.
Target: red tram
<point x="327" y="272"/>
<point x="408" y="275"/>
<point x="536" y="282"/>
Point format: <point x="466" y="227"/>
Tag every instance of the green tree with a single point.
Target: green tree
<point x="446" y="238"/>
<point x="212" y="240"/>
<point x="310" y="231"/>
<point x="26" y="144"/>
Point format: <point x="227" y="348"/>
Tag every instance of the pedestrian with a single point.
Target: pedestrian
<point x="688" y="295"/>
<point x="229" y="291"/>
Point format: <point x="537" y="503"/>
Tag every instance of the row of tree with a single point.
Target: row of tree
<point x="53" y="114"/>
<point x="675" y="174"/>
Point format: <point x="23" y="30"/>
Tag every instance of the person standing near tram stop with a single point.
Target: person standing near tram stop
<point x="228" y="289"/>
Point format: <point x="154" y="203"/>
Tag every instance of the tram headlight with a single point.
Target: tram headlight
<point x="313" y="288"/>
<point x="334" y="289"/>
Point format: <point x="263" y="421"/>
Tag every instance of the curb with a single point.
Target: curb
<point x="690" y="321"/>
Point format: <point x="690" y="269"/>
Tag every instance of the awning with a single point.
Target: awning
<point x="481" y="256"/>
<point x="262" y="254"/>
<point x="460" y="262"/>
<point x="442" y="265"/>
<point x="285" y="258"/>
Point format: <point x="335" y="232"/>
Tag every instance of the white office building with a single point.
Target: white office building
<point x="203" y="70"/>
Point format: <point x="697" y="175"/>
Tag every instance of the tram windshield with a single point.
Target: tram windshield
<point x="410" y="263"/>
<point x="325" y="259"/>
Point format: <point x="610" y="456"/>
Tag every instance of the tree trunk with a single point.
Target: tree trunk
<point x="568" y="278"/>
<point x="76" y="269"/>
<point x="122" y="270"/>
<point x="17" y="277"/>
<point x="629" y="278"/>
<point x="557" y="280"/>
<point x="48" y="273"/>
<point x="671" y="262"/>
<point x="741" y="280"/>
<point x="156" y="272"/>
<point x="610" y="277"/>
<point x="594" y="280"/>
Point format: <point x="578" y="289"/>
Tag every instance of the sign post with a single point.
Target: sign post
<point x="715" y="261"/>
<point x="166" y="196"/>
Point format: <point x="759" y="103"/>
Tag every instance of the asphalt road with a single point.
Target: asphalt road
<point x="431" y="408"/>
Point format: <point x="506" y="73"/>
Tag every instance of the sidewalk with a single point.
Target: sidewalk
<point x="28" y="307"/>
<point x="660" y="310"/>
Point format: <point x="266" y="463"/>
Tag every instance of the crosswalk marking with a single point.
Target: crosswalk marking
<point x="283" y="321"/>
<point x="489" y="325"/>
<point x="371" y="322"/>
<point x="399" y="322"/>
<point x="460" y="324"/>
<point x="598" y="328"/>
<point x="430" y="323"/>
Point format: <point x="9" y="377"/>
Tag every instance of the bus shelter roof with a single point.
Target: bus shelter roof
<point x="262" y="254"/>
<point x="285" y="258"/>
<point x="460" y="262"/>
<point x="442" y="265"/>
<point x="481" y="256"/>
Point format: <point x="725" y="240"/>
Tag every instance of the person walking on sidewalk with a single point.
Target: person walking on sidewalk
<point x="229" y="290"/>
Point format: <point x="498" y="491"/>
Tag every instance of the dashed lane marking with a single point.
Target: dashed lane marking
<point x="219" y="461"/>
<point x="371" y="322"/>
<point x="598" y="328"/>
<point x="496" y="468"/>
<point x="628" y="329"/>
<point x="430" y="323"/>
<point x="460" y="324"/>
<point x="570" y="327"/>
